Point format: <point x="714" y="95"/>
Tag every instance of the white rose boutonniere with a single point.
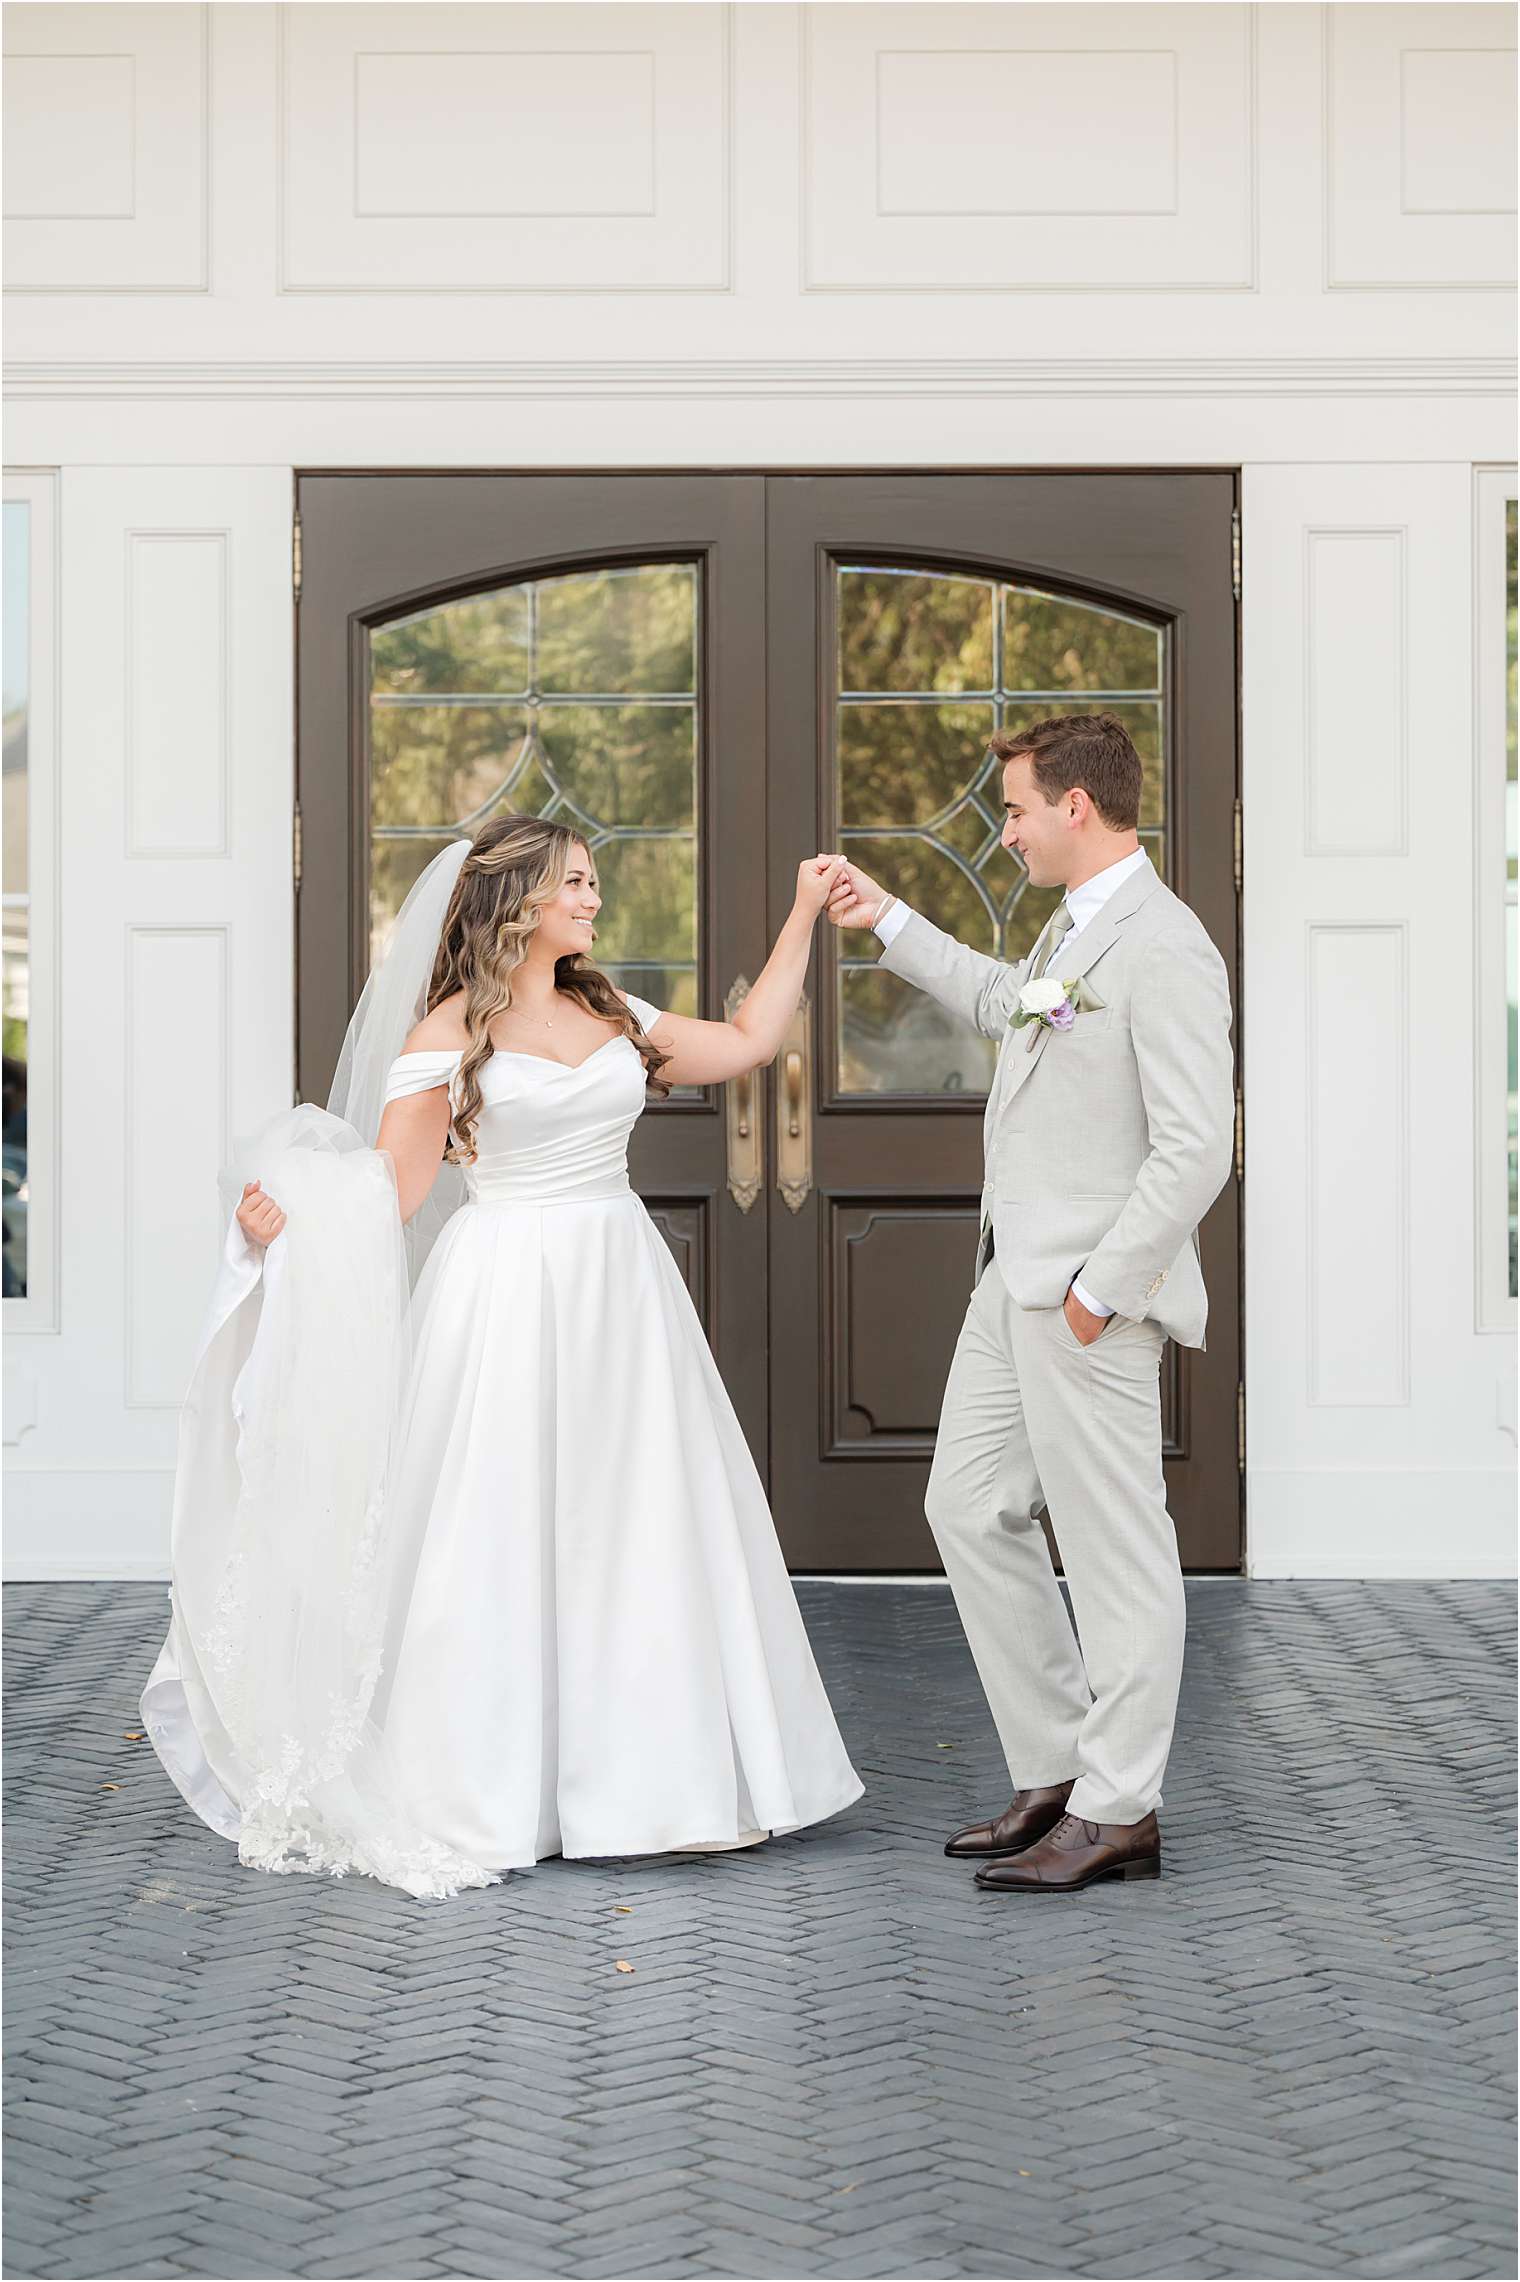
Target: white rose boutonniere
<point x="1053" y="1005"/>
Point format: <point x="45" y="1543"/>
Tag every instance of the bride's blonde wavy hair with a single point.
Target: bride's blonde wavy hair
<point x="515" y="866"/>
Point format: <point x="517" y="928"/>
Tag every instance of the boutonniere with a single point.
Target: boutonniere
<point x="1053" y="1005"/>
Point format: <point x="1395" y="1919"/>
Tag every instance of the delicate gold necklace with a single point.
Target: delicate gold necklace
<point x="547" y="1020"/>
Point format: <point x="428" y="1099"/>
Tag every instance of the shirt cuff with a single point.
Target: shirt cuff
<point x="893" y="919"/>
<point x="1093" y="1306"/>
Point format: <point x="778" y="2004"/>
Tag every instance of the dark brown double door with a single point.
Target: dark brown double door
<point x="711" y="676"/>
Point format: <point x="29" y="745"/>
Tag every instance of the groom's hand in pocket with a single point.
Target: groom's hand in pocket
<point x="1084" y="1323"/>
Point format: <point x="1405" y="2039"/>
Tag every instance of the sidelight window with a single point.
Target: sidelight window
<point x="1496" y="580"/>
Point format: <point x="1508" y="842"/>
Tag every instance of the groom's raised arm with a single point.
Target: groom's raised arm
<point x="981" y="990"/>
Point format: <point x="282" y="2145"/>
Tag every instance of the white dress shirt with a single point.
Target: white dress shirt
<point x="1084" y="903"/>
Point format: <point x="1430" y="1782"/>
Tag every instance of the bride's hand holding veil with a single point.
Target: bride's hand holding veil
<point x="260" y="1702"/>
<point x="258" y="1216"/>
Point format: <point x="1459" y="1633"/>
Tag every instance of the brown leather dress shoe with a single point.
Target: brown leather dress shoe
<point x="1074" y="1853"/>
<point x="1029" y="1815"/>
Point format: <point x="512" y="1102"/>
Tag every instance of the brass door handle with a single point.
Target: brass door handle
<point x="743" y="1127"/>
<point x="793" y="1094"/>
<point x="794" y="1125"/>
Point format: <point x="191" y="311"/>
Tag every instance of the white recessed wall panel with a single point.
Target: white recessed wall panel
<point x="178" y="694"/>
<point x="1468" y="173"/>
<point x="1420" y="158"/>
<point x="499" y="149"/>
<point x="106" y="127"/>
<point x="429" y="135"/>
<point x="1354" y="741"/>
<point x="943" y="141"/>
<point x="88" y="174"/>
<point x="1072" y="148"/>
<point x="1357" y="1224"/>
<point x="176" y="1140"/>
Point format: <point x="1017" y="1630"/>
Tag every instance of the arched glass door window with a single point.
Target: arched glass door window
<point x="930" y="667"/>
<point x="574" y="698"/>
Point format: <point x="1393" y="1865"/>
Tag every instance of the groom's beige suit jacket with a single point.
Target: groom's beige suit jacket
<point x="1105" y="1144"/>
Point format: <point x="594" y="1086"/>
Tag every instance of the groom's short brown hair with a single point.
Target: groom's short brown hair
<point x="1093" y="750"/>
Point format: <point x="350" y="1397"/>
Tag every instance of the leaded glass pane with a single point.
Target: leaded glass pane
<point x="480" y="644"/>
<point x="930" y="667"/>
<point x="906" y="764"/>
<point x="628" y="630"/>
<point x="1051" y="643"/>
<point x="15" y="974"/>
<point x="625" y="760"/>
<point x="911" y="630"/>
<point x="571" y="698"/>
<point x="443" y="761"/>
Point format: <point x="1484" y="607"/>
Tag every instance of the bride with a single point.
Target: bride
<point x="471" y="1562"/>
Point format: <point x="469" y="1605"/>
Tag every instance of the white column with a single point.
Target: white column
<point x="176" y="974"/>
<point x="1379" y="1437"/>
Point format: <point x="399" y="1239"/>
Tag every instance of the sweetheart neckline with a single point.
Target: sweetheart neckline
<point x="456" y="1053"/>
<point x="622" y="1039"/>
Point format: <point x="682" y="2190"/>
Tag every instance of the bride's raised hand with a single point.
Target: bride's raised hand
<point x="815" y="880"/>
<point x="855" y="897"/>
<point x="258" y="1216"/>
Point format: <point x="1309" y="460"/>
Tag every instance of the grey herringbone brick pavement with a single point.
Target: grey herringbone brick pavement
<point x="1291" y="2056"/>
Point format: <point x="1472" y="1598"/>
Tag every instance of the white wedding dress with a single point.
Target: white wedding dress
<point x="587" y="1640"/>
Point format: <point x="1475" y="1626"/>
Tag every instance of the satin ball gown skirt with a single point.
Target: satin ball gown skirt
<point x="601" y="1652"/>
<point x="482" y="1571"/>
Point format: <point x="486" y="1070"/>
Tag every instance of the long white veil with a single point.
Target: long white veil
<point x="284" y="1571"/>
<point x="391" y="1004"/>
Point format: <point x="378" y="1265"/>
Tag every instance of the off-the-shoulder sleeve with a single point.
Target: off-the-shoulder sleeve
<point x="417" y="1071"/>
<point x="648" y="1015"/>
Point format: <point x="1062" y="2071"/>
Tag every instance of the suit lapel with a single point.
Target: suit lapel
<point x="1101" y="932"/>
<point x="1098" y="936"/>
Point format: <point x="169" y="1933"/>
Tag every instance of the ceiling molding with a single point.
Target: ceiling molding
<point x="1271" y="377"/>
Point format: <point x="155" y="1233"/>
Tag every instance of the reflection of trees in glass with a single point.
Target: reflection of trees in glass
<point x="571" y="698"/>
<point x="15" y="938"/>
<point x="908" y="630"/>
<point x="930" y="666"/>
<point x="1054" y="645"/>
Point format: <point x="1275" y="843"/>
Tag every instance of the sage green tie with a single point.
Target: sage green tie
<point x="1060" y="928"/>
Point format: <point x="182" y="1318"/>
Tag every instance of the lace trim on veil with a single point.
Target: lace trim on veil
<point x="287" y="1577"/>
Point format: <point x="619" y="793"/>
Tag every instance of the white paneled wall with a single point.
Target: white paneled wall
<point x="1381" y="1425"/>
<point x="244" y="238"/>
<point x="941" y="148"/>
<point x="177" y="974"/>
<point x="107" y="114"/>
<point x="756" y="186"/>
<point x="1420" y="115"/>
<point x="487" y="150"/>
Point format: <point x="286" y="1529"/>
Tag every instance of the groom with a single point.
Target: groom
<point x="1108" y="1134"/>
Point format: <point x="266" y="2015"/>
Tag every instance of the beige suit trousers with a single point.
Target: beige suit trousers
<point x="1033" y="1418"/>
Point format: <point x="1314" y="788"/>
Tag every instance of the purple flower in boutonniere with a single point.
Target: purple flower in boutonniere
<point x="1053" y="1005"/>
